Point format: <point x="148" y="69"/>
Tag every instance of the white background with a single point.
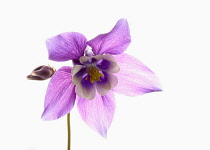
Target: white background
<point x="170" y="37"/>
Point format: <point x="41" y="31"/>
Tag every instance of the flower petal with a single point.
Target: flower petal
<point x="66" y="46"/>
<point x="60" y="96"/>
<point x="106" y="83"/>
<point x="85" y="88"/>
<point x="134" y="77"/>
<point x="77" y="72"/>
<point x="99" y="112"/>
<point x="115" y="42"/>
<point x="84" y="59"/>
<point x="107" y="63"/>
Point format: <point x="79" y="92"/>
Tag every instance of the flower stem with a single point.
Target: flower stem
<point x="69" y="131"/>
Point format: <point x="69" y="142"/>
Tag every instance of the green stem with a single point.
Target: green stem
<point x="69" y="131"/>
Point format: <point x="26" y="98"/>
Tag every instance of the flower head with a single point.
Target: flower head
<point x="96" y="74"/>
<point x="93" y="73"/>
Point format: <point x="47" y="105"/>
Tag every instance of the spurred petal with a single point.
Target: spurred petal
<point x="86" y="89"/>
<point x="66" y="46"/>
<point x="84" y="59"/>
<point x="60" y="96"/>
<point x="99" y="112"/>
<point x="134" y="77"/>
<point x="107" y="63"/>
<point x="115" y="42"/>
<point x="77" y="73"/>
<point x="106" y="83"/>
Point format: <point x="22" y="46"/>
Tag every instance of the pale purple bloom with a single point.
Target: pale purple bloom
<point x="95" y="76"/>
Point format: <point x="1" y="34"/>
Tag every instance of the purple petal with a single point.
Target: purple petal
<point x="103" y="64"/>
<point x="86" y="89"/>
<point x="107" y="63"/>
<point x="115" y="42"/>
<point x="99" y="112"/>
<point x="106" y="83"/>
<point x="60" y="96"/>
<point x="134" y="77"/>
<point x="77" y="72"/>
<point x="66" y="46"/>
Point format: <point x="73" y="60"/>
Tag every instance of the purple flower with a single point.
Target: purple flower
<point x="95" y="76"/>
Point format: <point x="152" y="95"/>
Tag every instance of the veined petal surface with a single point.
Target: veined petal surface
<point x="66" y="46"/>
<point x="134" y="78"/>
<point x="115" y="42"/>
<point x="60" y="96"/>
<point x="99" y="112"/>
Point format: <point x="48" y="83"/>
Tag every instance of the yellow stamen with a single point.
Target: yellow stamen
<point x="94" y="74"/>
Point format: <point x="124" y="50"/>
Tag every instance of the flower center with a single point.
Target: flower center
<point x="94" y="74"/>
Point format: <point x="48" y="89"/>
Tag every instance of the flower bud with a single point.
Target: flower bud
<point x="41" y="73"/>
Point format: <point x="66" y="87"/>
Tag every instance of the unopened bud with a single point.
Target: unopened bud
<point x="41" y="73"/>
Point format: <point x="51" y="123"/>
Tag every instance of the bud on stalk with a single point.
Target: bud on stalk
<point x="41" y="73"/>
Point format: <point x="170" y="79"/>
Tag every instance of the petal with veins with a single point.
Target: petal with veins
<point x="115" y="42"/>
<point x="99" y="112"/>
<point x="66" y="46"/>
<point x="60" y="96"/>
<point x="134" y="77"/>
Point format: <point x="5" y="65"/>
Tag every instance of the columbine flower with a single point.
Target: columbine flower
<point x="96" y="74"/>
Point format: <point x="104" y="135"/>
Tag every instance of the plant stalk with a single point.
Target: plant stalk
<point x="69" y="131"/>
